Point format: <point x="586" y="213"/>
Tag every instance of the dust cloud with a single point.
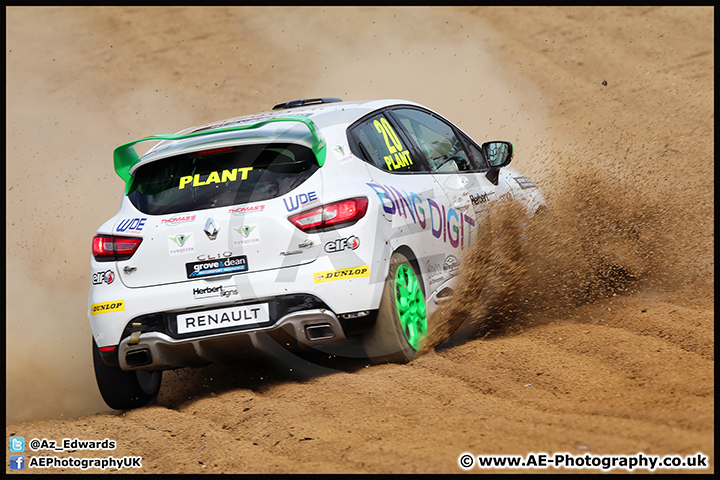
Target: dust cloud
<point x="596" y="240"/>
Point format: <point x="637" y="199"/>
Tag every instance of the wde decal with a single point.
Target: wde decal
<point x="299" y="200"/>
<point x="181" y="243"/>
<point x="131" y="225"/>
<point x="448" y="224"/>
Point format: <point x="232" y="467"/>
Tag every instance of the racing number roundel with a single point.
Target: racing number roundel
<point x="398" y="156"/>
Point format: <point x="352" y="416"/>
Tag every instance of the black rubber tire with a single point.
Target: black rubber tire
<point x="123" y="390"/>
<point x="386" y="342"/>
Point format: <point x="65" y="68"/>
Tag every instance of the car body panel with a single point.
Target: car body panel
<point x="178" y="271"/>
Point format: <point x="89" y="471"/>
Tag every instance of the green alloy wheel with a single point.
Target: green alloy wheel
<point x="402" y="323"/>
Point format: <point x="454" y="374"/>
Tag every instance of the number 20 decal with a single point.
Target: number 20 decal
<point x="398" y="157"/>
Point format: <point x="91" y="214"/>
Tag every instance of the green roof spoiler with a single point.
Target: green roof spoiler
<point x="125" y="156"/>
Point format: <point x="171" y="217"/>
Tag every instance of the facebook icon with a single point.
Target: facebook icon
<point x="17" y="462"/>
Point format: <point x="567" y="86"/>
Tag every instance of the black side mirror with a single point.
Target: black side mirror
<point x="498" y="154"/>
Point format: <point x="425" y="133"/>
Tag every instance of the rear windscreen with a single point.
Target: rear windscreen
<point x="221" y="177"/>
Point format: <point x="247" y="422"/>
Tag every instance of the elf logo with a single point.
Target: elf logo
<point x="98" y="278"/>
<point x="341" y="244"/>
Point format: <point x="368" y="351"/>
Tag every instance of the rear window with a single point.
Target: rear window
<point x="221" y="177"/>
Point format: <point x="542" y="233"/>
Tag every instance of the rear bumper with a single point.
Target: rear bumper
<point x="305" y="330"/>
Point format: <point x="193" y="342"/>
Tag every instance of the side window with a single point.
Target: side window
<point x="436" y="140"/>
<point x="475" y="154"/>
<point x="378" y="143"/>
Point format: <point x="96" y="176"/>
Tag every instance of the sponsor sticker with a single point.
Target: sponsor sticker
<point x="524" y="182"/>
<point x="249" y="209"/>
<point x="341" y="274"/>
<point x="478" y="199"/>
<point x="98" y="278"/>
<point x="177" y="220"/>
<point x="300" y="200"/>
<point x="220" y="291"/>
<point x="246" y="235"/>
<point x="131" y="225"/>
<point x="242" y="315"/>
<point x="210" y="268"/>
<point x="107" y="307"/>
<point x="451" y="265"/>
<point x="181" y="243"/>
<point x="350" y="243"/>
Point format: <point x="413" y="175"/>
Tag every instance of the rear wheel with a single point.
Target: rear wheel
<point x="123" y="390"/>
<point x="402" y="323"/>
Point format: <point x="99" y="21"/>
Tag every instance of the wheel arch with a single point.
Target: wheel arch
<point x="410" y="255"/>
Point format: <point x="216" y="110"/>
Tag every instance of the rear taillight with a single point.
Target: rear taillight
<point x="107" y="248"/>
<point x="331" y="215"/>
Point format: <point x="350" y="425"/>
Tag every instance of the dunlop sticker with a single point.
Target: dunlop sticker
<point x="343" y="273"/>
<point x="107" y="307"/>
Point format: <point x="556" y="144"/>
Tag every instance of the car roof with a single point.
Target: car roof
<point x="324" y="114"/>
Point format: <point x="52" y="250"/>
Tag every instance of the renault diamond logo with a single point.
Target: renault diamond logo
<point x="211" y="228"/>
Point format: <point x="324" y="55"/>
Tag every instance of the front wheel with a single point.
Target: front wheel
<point x="123" y="390"/>
<point x="402" y="323"/>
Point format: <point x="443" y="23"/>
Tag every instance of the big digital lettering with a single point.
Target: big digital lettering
<point x="448" y="224"/>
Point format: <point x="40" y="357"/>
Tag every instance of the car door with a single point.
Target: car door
<point x="414" y="205"/>
<point x="456" y="163"/>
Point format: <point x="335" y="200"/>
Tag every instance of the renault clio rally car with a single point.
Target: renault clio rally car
<point x="320" y="224"/>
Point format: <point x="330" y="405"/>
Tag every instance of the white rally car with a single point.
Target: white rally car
<point x="321" y="225"/>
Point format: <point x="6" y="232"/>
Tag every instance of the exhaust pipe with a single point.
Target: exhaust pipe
<point x="320" y="331"/>
<point x="138" y="358"/>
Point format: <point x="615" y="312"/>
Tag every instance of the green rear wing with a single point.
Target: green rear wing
<point x="125" y="157"/>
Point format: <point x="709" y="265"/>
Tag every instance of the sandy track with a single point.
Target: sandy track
<point x="611" y="110"/>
